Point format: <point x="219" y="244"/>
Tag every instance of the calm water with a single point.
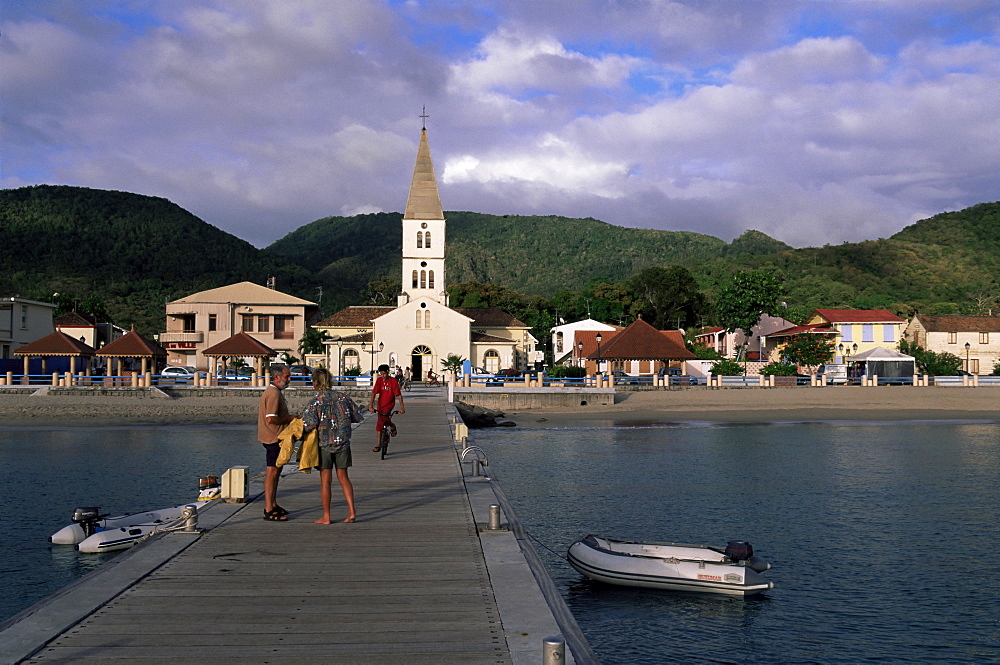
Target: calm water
<point x="883" y="537"/>
<point x="49" y="472"/>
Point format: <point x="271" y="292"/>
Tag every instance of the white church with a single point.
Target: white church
<point x="422" y="330"/>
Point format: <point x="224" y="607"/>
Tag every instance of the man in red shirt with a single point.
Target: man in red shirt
<point x="386" y="393"/>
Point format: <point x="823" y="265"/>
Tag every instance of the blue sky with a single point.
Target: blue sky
<point x="815" y="121"/>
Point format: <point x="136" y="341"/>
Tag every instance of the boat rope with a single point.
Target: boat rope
<point x="534" y="538"/>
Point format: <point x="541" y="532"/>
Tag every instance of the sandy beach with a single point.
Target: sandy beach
<point x="884" y="403"/>
<point x="841" y="403"/>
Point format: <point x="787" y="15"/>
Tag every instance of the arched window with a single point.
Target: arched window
<point x="427" y="319"/>
<point x="427" y="240"/>
<point x="414" y="279"/>
<point x="559" y="342"/>
<point x="423" y="279"/>
<point x="351" y="359"/>
<point x="430" y="279"/>
<point x="419" y="319"/>
<point x="420" y="239"/>
<point x="491" y="360"/>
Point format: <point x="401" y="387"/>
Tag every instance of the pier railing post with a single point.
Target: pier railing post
<point x="554" y="651"/>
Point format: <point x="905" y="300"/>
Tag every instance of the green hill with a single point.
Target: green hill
<point x="136" y="251"/>
<point x="531" y="254"/>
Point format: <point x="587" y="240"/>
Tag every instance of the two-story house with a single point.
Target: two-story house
<point x="974" y="339"/>
<point x="202" y="320"/>
<point x="859" y="330"/>
<point x="22" y="321"/>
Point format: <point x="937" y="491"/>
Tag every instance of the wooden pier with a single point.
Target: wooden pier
<point x="409" y="582"/>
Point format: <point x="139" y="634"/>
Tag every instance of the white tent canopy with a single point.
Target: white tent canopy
<point x="880" y="353"/>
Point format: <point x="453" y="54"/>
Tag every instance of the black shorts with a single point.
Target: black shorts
<point x="272" y="450"/>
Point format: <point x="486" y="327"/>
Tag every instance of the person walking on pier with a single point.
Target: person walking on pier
<point x="331" y="413"/>
<point x="386" y="393"/>
<point x="272" y="416"/>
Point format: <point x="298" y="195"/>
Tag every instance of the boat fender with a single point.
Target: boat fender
<point x="739" y="550"/>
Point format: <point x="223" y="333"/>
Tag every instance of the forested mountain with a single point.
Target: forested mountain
<point x="947" y="264"/>
<point x="531" y="254"/>
<point x="137" y="252"/>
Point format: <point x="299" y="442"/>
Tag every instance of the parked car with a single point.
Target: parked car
<point x="241" y="374"/>
<point x="623" y="378"/>
<point x="300" y="371"/>
<point x="179" y="373"/>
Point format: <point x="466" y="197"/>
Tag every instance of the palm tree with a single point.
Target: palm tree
<point x="453" y="363"/>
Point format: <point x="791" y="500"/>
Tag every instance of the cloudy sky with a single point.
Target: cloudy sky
<point x="814" y="121"/>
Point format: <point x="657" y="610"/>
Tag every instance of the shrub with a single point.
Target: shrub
<point x="566" y="372"/>
<point x="996" y="370"/>
<point x="727" y="368"/>
<point x="352" y="371"/>
<point x="779" y="369"/>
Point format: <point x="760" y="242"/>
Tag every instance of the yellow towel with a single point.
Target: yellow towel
<point x="309" y="452"/>
<point x="292" y="431"/>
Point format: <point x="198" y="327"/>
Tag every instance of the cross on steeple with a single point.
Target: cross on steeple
<point x="423" y="114"/>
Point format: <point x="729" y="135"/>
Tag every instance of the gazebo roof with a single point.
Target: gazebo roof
<point x="132" y="345"/>
<point x="56" y="344"/>
<point x="240" y="344"/>
<point x="641" y="341"/>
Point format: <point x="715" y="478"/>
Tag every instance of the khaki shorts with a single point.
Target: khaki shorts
<point x="331" y="460"/>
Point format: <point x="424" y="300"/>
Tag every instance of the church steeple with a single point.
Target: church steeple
<point x="424" y="201"/>
<point x="423" y="233"/>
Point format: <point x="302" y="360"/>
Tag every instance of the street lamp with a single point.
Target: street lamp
<point x="579" y="353"/>
<point x="967" y="358"/>
<point x="373" y="351"/>
<point x="598" y="338"/>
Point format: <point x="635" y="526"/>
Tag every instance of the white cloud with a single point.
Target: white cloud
<point x="715" y="117"/>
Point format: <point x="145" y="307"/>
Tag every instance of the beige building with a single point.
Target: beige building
<point x="202" y="320"/>
<point x="974" y="339"/>
<point x="422" y="330"/>
<point x="23" y="321"/>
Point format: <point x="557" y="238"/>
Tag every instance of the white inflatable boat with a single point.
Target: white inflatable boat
<point x="733" y="570"/>
<point x="92" y="532"/>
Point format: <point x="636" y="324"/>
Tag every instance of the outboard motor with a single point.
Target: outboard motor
<point x="739" y="550"/>
<point x="88" y="517"/>
<point x="208" y="482"/>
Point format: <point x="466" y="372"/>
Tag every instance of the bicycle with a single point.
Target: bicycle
<point x="388" y="429"/>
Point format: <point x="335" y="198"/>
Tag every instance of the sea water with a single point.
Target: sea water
<point x="883" y="537"/>
<point x="47" y="472"/>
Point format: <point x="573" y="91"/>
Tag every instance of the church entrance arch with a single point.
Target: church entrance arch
<point x="420" y="361"/>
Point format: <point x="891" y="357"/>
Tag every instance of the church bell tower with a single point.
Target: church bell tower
<point x="423" y="233"/>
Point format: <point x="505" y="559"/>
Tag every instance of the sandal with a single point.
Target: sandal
<point x="274" y="516"/>
<point x="392" y="431"/>
<point x="278" y="510"/>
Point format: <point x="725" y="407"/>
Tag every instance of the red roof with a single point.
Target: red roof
<point x="133" y="345"/>
<point x="858" y="316"/>
<point x="641" y="341"/>
<point x="240" y="344"/>
<point x="818" y="328"/>
<point x="56" y="344"/>
<point x="709" y="331"/>
<point x="356" y="315"/>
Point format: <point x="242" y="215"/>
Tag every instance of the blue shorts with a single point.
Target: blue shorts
<point x="271" y="450"/>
